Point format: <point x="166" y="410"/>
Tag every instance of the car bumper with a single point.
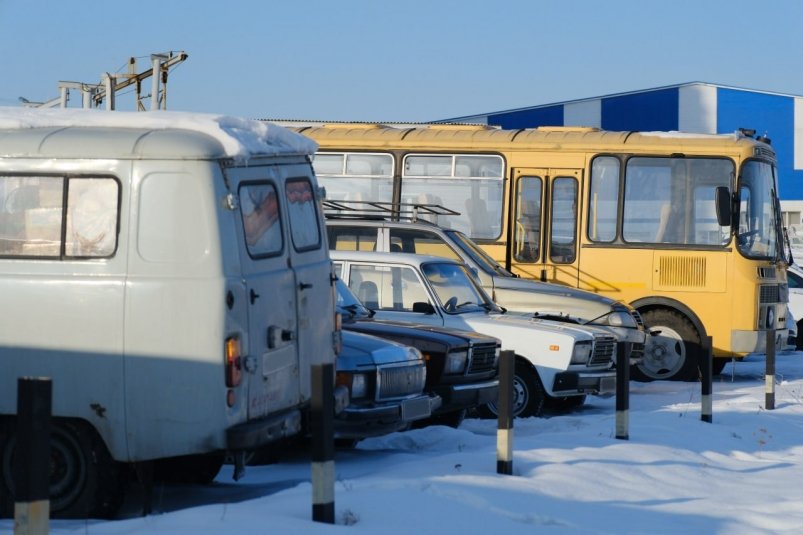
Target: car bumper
<point x="362" y="422"/>
<point x="573" y="383"/>
<point x="458" y="397"/>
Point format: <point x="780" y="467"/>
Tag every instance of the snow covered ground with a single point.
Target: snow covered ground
<point x="741" y="474"/>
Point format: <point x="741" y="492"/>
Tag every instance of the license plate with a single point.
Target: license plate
<point x="415" y="409"/>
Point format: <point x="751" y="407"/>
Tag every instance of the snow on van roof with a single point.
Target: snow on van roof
<point x="239" y="137"/>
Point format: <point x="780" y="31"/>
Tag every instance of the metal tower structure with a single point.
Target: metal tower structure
<point x="95" y="95"/>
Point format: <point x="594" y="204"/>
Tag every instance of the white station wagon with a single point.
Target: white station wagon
<point x="556" y="362"/>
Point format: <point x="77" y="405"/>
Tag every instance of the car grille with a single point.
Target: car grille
<point x="483" y="358"/>
<point x="400" y="381"/>
<point x="604" y="350"/>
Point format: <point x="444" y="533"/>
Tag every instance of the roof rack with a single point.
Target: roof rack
<point x="383" y="210"/>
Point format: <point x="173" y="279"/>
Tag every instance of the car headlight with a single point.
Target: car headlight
<point x="581" y="353"/>
<point x="620" y="318"/>
<point x="456" y="361"/>
<point x="355" y="382"/>
<point x="359" y="386"/>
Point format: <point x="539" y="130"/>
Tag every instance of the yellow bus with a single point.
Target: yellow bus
<point x="684" y="227"/>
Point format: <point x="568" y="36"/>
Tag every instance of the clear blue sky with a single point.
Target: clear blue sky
<point x="411" y="60"/>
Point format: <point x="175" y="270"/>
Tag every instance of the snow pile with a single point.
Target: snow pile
<point x="239" y="137"/>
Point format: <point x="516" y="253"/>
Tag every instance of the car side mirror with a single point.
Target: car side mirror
<point x="723" y="205"/>
<point x="422" y="307"/>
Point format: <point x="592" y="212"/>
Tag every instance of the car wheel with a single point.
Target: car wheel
<point x="673" y="353"/>
<point x="528" y="395"/>
<point x="85" y="481"/>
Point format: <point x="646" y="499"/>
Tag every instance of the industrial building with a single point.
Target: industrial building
<point x="696" y="107"/>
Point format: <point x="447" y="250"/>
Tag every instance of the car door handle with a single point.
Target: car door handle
<point x="254" y="296"/>
<point x="304" y="286"/>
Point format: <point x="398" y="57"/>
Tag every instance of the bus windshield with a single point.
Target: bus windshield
<point x="758" y="230"/>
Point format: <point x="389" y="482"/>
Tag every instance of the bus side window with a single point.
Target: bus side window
<point x="528" y="219"/>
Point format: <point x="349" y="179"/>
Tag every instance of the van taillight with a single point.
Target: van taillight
<point x="234" y="369"/>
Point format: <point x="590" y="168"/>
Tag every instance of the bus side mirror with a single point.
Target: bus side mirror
<point x="423" y="307"/>
<point x="723" y="202"/>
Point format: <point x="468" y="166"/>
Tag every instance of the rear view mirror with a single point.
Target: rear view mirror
<point x="723" y="205"/>
<point x="423" y="307"/>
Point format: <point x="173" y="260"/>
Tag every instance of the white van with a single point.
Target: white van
<point x="170" y="273"/>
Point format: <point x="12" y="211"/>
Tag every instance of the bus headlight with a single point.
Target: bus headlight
<point x="581" y="353"/>
<point x="770" y="317"/>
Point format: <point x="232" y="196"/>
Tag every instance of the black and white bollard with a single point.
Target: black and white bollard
<point x="622" y="390"/>
<point x="706" y="380"/>
<point x="322" y="414"/>
<point x="504" y="433"/>
<point x="769" y="374"/>
<point x="31" y="469"/>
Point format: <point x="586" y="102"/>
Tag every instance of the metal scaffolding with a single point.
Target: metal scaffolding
<point x="95" y="95"/>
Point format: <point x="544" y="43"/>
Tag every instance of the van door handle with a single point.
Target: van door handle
<point x="254" y="296"/>
<point x="304" y="286"/>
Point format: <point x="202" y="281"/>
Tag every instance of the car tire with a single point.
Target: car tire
<point x="85" y="482"/>
<point x="528" y="394"/>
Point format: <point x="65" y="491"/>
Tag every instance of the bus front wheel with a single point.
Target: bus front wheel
<point x="671" y="354"/>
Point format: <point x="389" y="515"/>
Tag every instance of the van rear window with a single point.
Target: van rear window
<point x="58" y="217"/>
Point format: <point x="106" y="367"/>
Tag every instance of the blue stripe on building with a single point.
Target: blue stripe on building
<point x="653" y="110"/>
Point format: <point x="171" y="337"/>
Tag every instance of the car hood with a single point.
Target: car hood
<point x="511" y="322"/>
<point x="419" y="331"/>
<point x="526" y="295"/>
<point x="360" y="350"/>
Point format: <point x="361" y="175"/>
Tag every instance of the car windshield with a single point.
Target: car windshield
<point x="347" y="303"/>
<point x="480" y="257"/>
<point x="455" y="288"/>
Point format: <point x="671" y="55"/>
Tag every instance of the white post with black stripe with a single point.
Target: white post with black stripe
<point x="31" y="470"/>
<point x="706" y="381"/>
<point x="623" y="390"/>
<point x="504" y="433"/>
<point x="769" y="373"/>
<point x="322" y="413"/>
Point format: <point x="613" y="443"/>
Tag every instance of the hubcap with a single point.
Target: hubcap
<point x="664" y="354"/>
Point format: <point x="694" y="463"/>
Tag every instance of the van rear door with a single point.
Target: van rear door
<point x="270" y="356"/>
<point x="314" y="284"/>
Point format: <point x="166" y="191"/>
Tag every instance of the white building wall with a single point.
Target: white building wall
<point x="583" y="113"/>
<point x="798" y="134"/>
<point x="697" y="111"/>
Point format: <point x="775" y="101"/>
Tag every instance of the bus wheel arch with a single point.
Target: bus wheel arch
<point x="674" y="351"/>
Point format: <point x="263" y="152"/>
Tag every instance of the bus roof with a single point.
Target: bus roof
<point x="87" y="133"/>
<point x="473" y="137"/>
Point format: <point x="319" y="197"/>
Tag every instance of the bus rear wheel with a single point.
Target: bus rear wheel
<point x="674" y="353"/>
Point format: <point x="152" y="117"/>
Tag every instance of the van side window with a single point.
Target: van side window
<point x="261" y="221"/>
<point x="40" y="217"/>
<point x="303" y="214"/>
